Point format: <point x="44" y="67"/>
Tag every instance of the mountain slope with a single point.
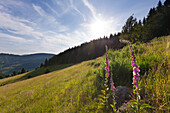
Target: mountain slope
<point x="67" y="90"/>
<point x="75" y="88"/>
<point x="10" y="62"/>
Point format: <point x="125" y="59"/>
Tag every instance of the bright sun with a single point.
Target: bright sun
<point x="99" y="27"/>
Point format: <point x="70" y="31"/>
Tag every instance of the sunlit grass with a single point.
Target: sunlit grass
<point x="71" y="89"/>
<point x="153" y="58"/>
<point x="31" y="74"/>
<point x="75" y="88"/>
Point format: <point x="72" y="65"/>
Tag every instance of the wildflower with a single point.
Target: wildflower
<point x="136" y="70"/>
<point x="107" y="65"/>
<point x="112" y="84"/>
<point x="107" y="71"/>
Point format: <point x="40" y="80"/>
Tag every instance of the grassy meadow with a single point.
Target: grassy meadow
<point x="76" y="88"/>
<point x="67" y="90"/>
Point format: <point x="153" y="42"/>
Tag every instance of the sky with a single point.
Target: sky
<point x="52" y="26"/>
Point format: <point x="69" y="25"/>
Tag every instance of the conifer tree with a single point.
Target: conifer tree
<point x="46" y="61"/>
<point x="23" y="70"/>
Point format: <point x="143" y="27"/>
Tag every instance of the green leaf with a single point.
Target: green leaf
<point x="133" y="107"/>
<point x="145" y="106"/>
<point x="100" y="106"/>
<point x="133" y="101"/>
<point x="101" y="96"/>
<point x="111" y="105"/>
<point x="103" y="91"/>
<point x="101" y="100"/>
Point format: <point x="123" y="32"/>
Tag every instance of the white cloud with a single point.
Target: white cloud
<point x="91" y="8"/>
<point x="49" y="20"/>
<point x="17" y="26"/>
<point x="20" y="31"/>
<point x="67" y="39"/>
<point x="1" y="7"/>
<point x="54" y="11"/>
<point x="46" y="33"/>
<point x="13" y="3"/>
<point x="39" y="10"/>
<point x="56" y="42"/>
<point x="15" y="39"/>
<point x="64" y="6"/>
<point x="75" y="8"/>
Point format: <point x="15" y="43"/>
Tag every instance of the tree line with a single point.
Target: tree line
<point x="86" y="51"/>
<point x="156" y="24"/>
<point x="2" y="75"/>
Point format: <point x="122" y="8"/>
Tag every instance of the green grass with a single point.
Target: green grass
<point x="153" y="58"/>
<point x="75" y="88"/>
<point x="36" y="72"/>
<point x="68" y="90"/>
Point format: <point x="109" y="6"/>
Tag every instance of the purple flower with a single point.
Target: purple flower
<point x="136" y="65"/>
<point x="136" y="85"/>
<point x="136" y="77"/>
<point x="134" y="81"/>
<point x="107" y="71"/>
<point x="136" y="70"/>
<point x="138" y="74"/>
<point x="112" y="84"/>
<point x="132" y="64"/>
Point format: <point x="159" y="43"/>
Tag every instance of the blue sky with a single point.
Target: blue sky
<point x="51" y="26"/>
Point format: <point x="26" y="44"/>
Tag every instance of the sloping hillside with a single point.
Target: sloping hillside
<point x="75" y="88"/>
<point x="67" y="90"/>
<point x="10" y="62"/>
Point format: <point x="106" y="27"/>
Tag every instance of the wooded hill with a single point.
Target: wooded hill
<point x="86" y="51"/>
<point x="10" y="62"/>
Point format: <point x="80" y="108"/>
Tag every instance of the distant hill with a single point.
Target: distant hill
<point x="10" y="62"/>
<point x="86" y="51"/>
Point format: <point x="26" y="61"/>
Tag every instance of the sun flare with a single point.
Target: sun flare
<point x="99" y="28"/>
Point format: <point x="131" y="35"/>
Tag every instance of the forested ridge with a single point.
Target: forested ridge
<point x="86" y="51"/>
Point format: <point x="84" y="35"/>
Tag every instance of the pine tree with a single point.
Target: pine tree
<point x="167" y="3"/>
<point x="46" y="62"/>
<point x="41" y="65"/>
<point x="14" y="73"/>
<point x="23" y="70"/>
<point x="129" y="24"/>
<point x="159" y="4"/>
<point x="144" y="21"/>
